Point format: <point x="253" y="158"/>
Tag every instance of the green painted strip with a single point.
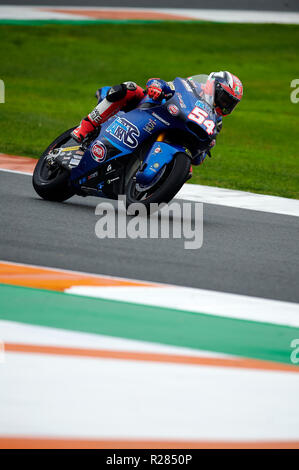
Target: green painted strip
<point x="147" y="323"/>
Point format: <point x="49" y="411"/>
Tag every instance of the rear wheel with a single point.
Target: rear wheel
<point x="50" y="180"/>
<point x="172" y="178"/>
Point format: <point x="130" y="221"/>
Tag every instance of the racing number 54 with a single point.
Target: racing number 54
<point x="199" y="116"/>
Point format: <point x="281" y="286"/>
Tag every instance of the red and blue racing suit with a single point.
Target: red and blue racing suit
<point x="126" y="97"/>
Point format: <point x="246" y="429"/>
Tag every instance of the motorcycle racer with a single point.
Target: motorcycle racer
<point x="123" y="97"/>
<point x="228" y="92"/>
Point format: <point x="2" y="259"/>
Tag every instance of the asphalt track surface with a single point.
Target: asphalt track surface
<point x="244" y="251"/>
<point x="262" y="5"/>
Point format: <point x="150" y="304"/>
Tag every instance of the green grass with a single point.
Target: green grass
<point x="52" y="71"/>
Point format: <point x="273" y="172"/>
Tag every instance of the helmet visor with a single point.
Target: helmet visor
<point x="225" y="101"/>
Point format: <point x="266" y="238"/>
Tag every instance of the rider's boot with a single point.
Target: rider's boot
<point x="117" y="98"/>
<point x="86" y="127"/>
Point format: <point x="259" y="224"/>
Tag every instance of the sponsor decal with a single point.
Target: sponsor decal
<point x="156" y="83"/>
<point x="95" y="116"/>
<point x="202" y="105"/>
<point x="173" y="109"/>
<point x="188" y="152"/>
<point x="124" y="131"/>
<point x="98" y="151"/>
<point x="161" y="119"/>
<point x="75" y="161"/>
<point x="158" y="150"/>
<point x="187" y="85"/>
<point x="69" y="149"/>
<point x="150" y="126"/>
<point x="67" y="154"/>
<point x="180" y="98"/>
<point x="156" y="165"/>
<point x="114" y="179"/>
<point x="93" y="175"/>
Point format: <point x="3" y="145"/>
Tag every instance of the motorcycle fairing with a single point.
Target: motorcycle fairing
<point x="124" y="133"/>
<point x="119" y="137"/>
<point x="160" y="155"/>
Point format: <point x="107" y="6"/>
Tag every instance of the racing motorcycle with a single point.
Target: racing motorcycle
<point x="144" y="154"/>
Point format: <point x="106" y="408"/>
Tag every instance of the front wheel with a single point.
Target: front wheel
<point x="50" y="180"/>
<point x="175" y="174"/>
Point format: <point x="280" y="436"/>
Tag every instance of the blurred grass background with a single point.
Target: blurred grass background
<point x="51" y="73"/>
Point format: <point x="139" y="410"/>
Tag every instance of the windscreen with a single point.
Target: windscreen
<point x="205" y="87"/>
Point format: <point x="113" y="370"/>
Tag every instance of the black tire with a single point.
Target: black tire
<point x="52" y="186"/>
<point x="175" y="175"/>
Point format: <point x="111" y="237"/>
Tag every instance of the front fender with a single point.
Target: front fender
<point x="159" y="155"/>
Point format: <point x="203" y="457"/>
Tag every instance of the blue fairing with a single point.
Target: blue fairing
<point x="160" y="154"/>
<point x="122" y="134"/>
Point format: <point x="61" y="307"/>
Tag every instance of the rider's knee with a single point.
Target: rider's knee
<point x="118" y="92"/>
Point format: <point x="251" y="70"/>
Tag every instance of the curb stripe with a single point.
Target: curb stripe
<point x="147" y="323"/>
<point x="145" y="293"/>
<point x="150" y="357"/>
<point x="76" y="14"/>
<point x="17" y="163"/>
<point x="117" y="14"/>
<point x="56" y="443"/>
<point x="88" y="22"/>
<point x="58" y="280"/>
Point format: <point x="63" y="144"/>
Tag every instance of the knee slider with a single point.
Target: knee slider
<point x="132" y="86"/>
<point x="116" y="93"/>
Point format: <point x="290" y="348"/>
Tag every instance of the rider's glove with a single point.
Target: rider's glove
<point x="158" y="89"/>
<point x="154" y="89"/>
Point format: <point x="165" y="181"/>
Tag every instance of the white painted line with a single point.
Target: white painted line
<point x="229" y="198"/>
<point x="16" y="171"/>
<point x="56" y="396"/>
<point x="236" y="16"/>
<point x="209" y="302"/>
<point x="21" y="12"/>
<point x="239" y="199"/>
<point x="15" y="332"/>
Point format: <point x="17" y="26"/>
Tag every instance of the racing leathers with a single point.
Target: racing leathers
<point x="125" y="97"/>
